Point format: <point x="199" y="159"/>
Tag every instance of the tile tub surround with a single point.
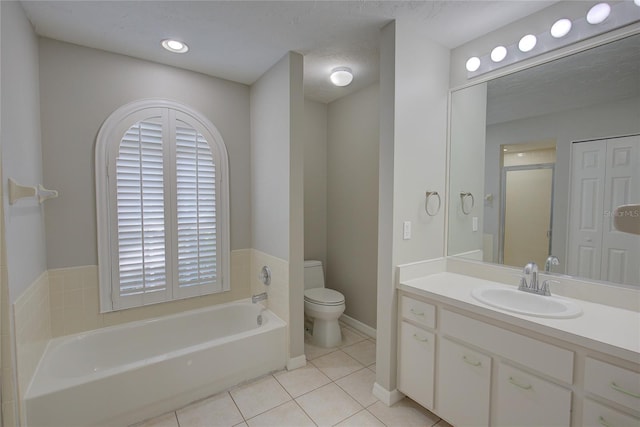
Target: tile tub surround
<point x="74" y="298"/>
<point x="307" y="396"/>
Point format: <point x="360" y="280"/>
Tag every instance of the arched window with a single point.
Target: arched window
<point x="162" y="206"/>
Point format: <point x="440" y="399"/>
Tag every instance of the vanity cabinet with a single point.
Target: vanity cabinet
<point x="416" y="352"/>
<point x="464" y="384"/>
<point x="595" y="414"/>
<point x="524" y="399"/>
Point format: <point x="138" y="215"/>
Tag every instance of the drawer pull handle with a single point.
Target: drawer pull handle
<point x="417" y="338"/>
<point x="471" y="362"/>
<point x="603" y="422"/>
<point x="616" y="387"/>
<point x="517" y="384"/>
<point x="416" y="313"/>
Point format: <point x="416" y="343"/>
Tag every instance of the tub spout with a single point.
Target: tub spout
<point x="259" y="297"/>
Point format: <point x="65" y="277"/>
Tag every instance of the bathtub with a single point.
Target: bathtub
<point x="119" y="375"/>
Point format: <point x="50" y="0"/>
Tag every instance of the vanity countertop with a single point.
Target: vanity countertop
<point x="603" y="328"/>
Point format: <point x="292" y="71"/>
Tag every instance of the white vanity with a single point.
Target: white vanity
<point x="477" y="365"/>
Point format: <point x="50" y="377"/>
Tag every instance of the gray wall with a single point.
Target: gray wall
<point x="21" y="149"/>
<point x="315" y="181"/>
<point x="352" y="201"/>
<point x="80" y="88"/>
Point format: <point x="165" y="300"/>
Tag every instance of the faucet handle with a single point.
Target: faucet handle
<point x="545" y="289"/>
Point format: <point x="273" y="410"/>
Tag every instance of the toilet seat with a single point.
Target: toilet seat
<point x="324" y="296"/>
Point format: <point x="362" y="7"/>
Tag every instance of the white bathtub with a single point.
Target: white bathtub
<point x="122" y="374"/>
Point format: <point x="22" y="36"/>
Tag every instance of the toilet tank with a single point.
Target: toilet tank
<point x="313" y="274"/>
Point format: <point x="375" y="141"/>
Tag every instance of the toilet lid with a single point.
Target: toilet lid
<point x="324" y="296"/>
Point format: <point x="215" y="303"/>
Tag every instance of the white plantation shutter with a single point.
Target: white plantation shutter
<point x="140" y="210"/>
<point x="163" y="232"/>
<point x="196" y="209"/>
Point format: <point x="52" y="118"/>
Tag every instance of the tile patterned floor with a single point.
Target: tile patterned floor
<point x="334" y="389"/>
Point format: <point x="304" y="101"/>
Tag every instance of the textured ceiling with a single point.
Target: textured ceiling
<point x="240" y="40"/>
<point x="603" y="74"/>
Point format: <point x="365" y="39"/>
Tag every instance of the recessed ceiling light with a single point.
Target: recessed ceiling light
<point x="504" y="149"/>
<point x="498" y="53"/>
<point x="341" y="76"/>
<point x="598" y="13"/>
<point x="527" y="43"/>
<point x="561" y="28"/>
<point x="473" y="63"/>
<point x="637" y="2"/>
<point x="175" y="46"/>
<point x="520" y="154"/>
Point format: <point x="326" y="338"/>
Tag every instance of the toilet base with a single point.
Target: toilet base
<point x="326" y="333"/>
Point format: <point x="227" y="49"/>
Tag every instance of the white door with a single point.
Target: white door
<point x="605" y="174"/>
<point x="621" y="251"/>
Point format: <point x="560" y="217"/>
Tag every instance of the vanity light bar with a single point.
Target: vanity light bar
<point x="600" y="19"/>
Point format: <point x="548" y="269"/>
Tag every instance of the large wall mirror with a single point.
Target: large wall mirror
<point x="541" y="158"/>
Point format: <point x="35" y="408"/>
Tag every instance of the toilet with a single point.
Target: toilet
<point x="322" y="305"/>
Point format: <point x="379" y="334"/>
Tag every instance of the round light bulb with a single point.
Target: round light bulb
<point x="473" y="63"/>
<point x="498" y="53"/>
<point x="174" y="46"/>
<point x="598" y="13"/>
<point x="527" y="43"/>
<point x="561" y="28"/>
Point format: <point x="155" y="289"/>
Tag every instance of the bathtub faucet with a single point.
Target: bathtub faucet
<point x="259" y="297"/>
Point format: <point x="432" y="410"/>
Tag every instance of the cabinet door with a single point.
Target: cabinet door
<point x="415" y="364"/>
<point x="526" y="400"/>
<point x="597" y="415"/>
<point x="464" y="385"/>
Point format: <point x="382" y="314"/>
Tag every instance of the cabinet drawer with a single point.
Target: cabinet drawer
<point x="464" y="385"/>
<point x="418" y="311"/>
<point x="595" y="414"/>
<point x="612" y="382"/>
<point x="526" y="400"/>
<point x="537" y="355"/>
<point x="416" y="364"/>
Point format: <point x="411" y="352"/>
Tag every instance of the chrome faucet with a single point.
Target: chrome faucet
<point x="531" y="272"/>
<point x="551" y="261"/>
<point x="259" y="297"/>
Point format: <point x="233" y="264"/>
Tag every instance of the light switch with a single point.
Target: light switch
<point x="474" y="222"/>
<point x="406" y="230"/>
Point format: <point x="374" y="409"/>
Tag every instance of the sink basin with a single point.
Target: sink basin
<point x="521" y="302"/>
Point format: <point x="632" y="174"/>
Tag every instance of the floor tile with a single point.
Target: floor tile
<point x="328" y="405"/>
<point x="302" y="380"/>
<point x="372" y="367"/>
<point x="219" y="410"/>
<point x="350" y="336"/>
<point x="364" y="352"/>
<point x="166" y="420"/>
<point x="359" y="385"/>
<point x="241" y="425"/>
<point x="443" y="423"/>
<point x="405" y="413"/>
<point x="259" y="396"/>
<point x="286" y="415"/>
<point x="361" y="419"/>
<point x="337" y="364"/>
<point x="312" y="351"/>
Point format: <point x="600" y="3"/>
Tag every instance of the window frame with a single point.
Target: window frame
<point x="107" y="148"/>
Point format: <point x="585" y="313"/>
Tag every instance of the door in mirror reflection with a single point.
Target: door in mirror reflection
<point x="528" y="194"/>
<point x="605" y="174"/>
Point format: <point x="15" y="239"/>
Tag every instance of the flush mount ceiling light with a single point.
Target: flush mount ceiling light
<point x="174" y="46"/>
<point x="527" y="43"/>
<point x="498" y="53"/>
<point x="473" y="63"/>
<point x="341" y="76"/>
<point x="637" y="2"/>
<point x="561" y="28"/>
<point x="598" y="13"/>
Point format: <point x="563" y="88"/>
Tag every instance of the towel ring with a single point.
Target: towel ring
<point x="426" y="203"/>
<point x="463" y="196"/>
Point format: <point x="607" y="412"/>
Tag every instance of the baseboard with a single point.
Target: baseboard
<point x="385" y="396"/>
<point x="358" y="326"/>
<point x="296" y="362"/>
